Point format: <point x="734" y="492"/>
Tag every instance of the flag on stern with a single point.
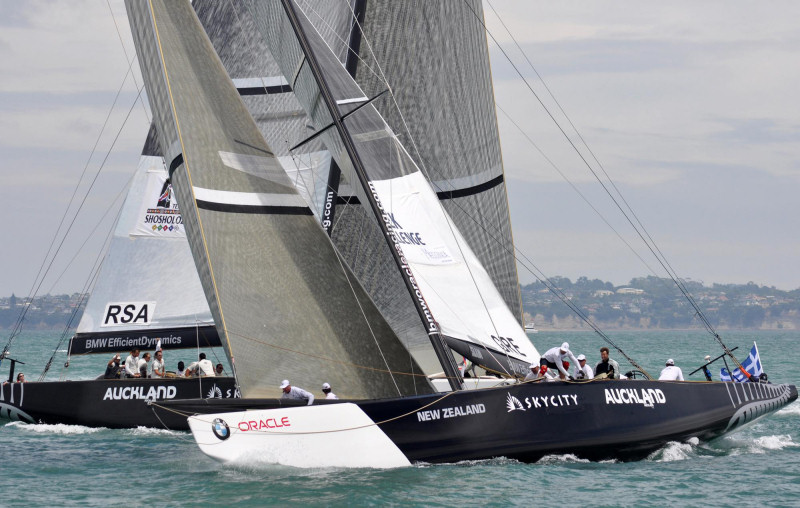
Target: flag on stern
<point x="752" y="365"/>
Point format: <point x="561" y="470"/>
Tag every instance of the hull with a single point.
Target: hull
<point x="112" y="403"/>
<point x="597" y="420"/>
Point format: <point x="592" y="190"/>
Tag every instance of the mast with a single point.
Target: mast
<point x="442" y="351"/>
<point x="351" y="64"/>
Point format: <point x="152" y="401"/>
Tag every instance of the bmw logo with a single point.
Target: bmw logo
<point x="220" y="429"/>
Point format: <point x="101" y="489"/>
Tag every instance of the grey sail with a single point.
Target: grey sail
<point x="441" y="78"/>
<point x="138" y="299"/>
<point x="267" y="95"/>
<point x="454" y="294"/>
<point x="284" y="304"/>
<point x="283" y="123"/>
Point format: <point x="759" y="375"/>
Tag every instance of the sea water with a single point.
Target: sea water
<point x="63" y="465"/>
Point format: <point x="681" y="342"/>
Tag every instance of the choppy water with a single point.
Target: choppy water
<point x="78" y="466"/>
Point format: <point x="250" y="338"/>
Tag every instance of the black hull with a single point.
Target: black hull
<point x="598" y="420"/>
<point x="112" y="403"/>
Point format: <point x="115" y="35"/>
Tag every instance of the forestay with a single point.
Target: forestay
<point x="283" y="303"/>
<point x="459" y="293"/>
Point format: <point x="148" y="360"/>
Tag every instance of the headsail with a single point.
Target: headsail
<point x="147" y="289"/>
<point x="284" y="303"/>
<point x="283" y="123"/>
<point x="469" y="310"/>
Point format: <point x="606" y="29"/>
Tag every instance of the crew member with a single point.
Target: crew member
<point x="113" y="368"/>
<point x="554" y="358"/>
<point x="326" y="389"/>
<point x="143" y="365"/>
<point x="671" y="372"/>
<point x="533" y="375"/>
<point x="583" y="371"/>
<point x="295" y="393"/>
<point x="132" y="364"/>
<point x="606" y="367"/>
<point x="159" y="370"/>
<point x="201" y="367"/>
<point x="706" y="372"/>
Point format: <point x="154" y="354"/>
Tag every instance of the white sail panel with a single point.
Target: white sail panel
<point x="458" y="290"/>
<point x="153" y="267"/>
<point x="159" y="214"/>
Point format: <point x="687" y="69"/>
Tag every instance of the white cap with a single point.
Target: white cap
<point x="565" y="347"/>
<point x="581" y="357"/>
<point x="534" y="366"/>
<point x="326" y="386"/>
<point x="284" y="383"/>
<point x="707" y="358"/>
<point x="670" y="362"/>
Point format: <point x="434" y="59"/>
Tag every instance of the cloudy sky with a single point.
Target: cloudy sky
<point x="691" y="107"/>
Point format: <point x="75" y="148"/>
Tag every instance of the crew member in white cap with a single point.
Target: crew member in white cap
<point x="533" y="375"/>
<point x="671" y="372"/>
<point x="326" y="389"/>
<point x="295" y="393"/>
<point x="555" y="357"/>
<point x="583" y="371"/>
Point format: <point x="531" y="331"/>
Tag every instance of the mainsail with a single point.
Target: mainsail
<point x="452" y="284"/>
<point x="284" y="303"/>
<point x="435" y="57"/>
<point x="147" y="289"/>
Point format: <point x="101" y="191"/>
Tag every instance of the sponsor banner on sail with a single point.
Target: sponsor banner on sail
<point x="458" y="290"/>
<point x="124" y="340"/>
<point x="159" y="214"/>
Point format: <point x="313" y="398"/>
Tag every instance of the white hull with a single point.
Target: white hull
<point x="333" y="435"/>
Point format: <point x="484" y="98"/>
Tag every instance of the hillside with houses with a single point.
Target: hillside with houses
<point x="656" y="303"/>
<point x="644" y="303"/>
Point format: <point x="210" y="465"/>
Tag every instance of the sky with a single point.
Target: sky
<point x="690" y="107"/>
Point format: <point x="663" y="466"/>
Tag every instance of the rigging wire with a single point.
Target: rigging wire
<point x="128" y="60"/>
<point x="553" y="288"/>
<point x="40" y="277"/>
<point x="670" y="270"/>
<point x="640" y="230"/>
<point x="425" y="172"/>
<point x="91" y="279"/>
<point x="576" y="189"/>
